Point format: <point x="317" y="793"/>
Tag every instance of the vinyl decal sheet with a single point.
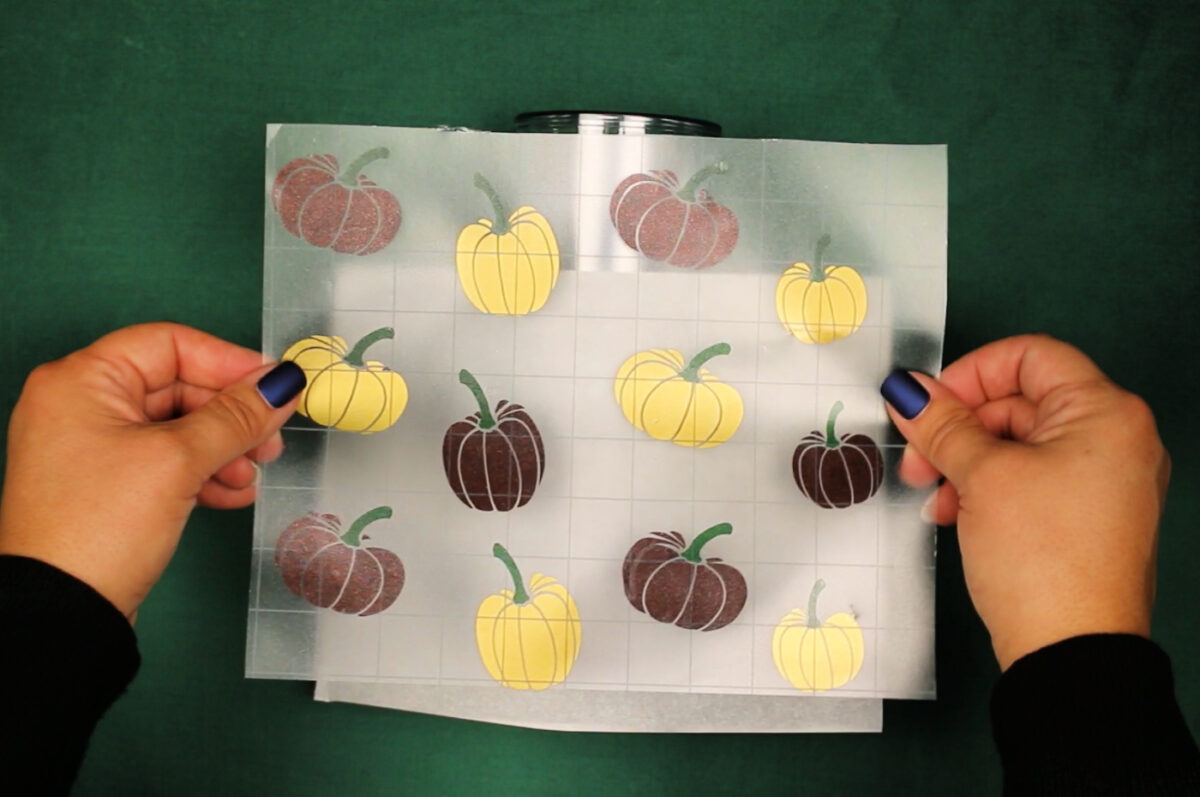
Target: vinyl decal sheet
<point x="596" y="413"/>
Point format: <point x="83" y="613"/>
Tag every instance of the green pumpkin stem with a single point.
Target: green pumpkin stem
<point x="692" y="552"/>
<point x="519" y="593"/>
<point x="500" y="225"/>
<point x="688" y="192"/>
<point x="831" y="440"/>
<point x="353" y="535"/>
<point x="811" y="621"/>
<point x="486" y="419"/>
<point x="349" y="175"/>
<point x="818" y="268"/>
<point x="692" y="372"/>
<point x="355" y="357"/>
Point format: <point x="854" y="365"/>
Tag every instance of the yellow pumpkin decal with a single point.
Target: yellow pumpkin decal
<point x="820" y="305"/>
<point x="669" y="398"/>
<point x="816" y="656"/>
<point x="527" y="640"/>
<point x="509" y="265"/>
<point x="345" y="391"/>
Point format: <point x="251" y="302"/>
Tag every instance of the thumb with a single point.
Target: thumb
<point x="939" y="426"/>
<point x="240" y="417"/>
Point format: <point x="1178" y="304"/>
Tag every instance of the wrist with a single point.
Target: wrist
<point x="1013" y="646"/>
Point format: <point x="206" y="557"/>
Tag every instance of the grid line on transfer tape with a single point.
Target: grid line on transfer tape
<point x="644" y="622"/>
<point x="632" y="480"/>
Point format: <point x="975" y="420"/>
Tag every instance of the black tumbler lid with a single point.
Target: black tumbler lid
<point x="613" y="123"/>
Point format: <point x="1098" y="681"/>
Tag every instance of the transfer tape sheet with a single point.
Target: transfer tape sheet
<point x="599" y="415"/>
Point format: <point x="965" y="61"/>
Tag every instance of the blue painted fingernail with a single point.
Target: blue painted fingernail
<point x="904" y="393"/>
<point x="282" y="383"/>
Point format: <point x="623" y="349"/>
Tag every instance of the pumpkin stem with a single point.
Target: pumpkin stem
<point x="353" y="535"/>
<point x="688" y="192"/>
<point x="486" y="420"/>
<point x="812" y="621"/>
<point x="355" y="357"/>
<point x="500" y="225"/>
<point x="831" y="440"/>
<point x="519" y="593"/>
<point x="692" y="372"/>
<point x="692" y="552"/>
<point x="349" y="175"/>
<point x="818" y="268"/>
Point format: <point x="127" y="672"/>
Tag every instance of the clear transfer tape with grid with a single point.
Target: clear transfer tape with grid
<point x="596" y="414"/>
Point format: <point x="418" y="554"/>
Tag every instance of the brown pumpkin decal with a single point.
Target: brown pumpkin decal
<point x="343" y="211"/>
<point x="666" y="578"/>
<point x="336" y="571"/>
<point x="684" y="226"/>
<point x="493" y="460"/>
<point x="837" y="472"/>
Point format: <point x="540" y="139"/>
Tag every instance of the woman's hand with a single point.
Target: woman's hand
<point x="1056" y="477"/>
<point x="111" y="447"/>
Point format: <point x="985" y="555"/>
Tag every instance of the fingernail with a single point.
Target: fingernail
<point x="904" y="393"/>
<point x="282" y="384"/>
<point x="929" y="508"/>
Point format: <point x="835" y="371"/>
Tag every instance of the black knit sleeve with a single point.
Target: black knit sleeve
<point x="1097" y="715"/>
<point x="66" y="654"/>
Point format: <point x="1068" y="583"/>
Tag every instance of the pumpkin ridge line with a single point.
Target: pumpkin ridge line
<point x="554" y="676"/>
<point x="688" y="599"/>
<point x="808" y="330"/>
<point x="716" y="238"/>
<point x="346" y="580"/>
<point x="876" y="478"/>
<point x="530" y="267"/>
<point x="538" y="451"/>
<point x="500" y="269"/>
<point x="550" y="241"/>
<point x="519" y="610"/>
<point x="487" y="472"/>
<point x="516" y="460"/>
<point x="308" y="565"/>
<point x="382" y="581"/>
<point x="385" y="406"/>
<point x="479" y="302"/>
<point x="820" y="469"/>
<point x="641" y="421"/>
<point x="828" y="297"/>
<point x="637" y="229"/>
<point x="724" y="594"/>
<point x="687" y="214"/>
<point x="362" y="250"/>
<point x="473" y="500"/>
<point x="720" y="413"/>
<point x="345" y="215"/>
<point x="348" y="403"/>
<point x="646" y="586"/>
<point x="855" y="662"/>
<point x="849" y="479"/>
<point x="687" y="410"/>
<point x="828" y="659"/>
<point x="834" y="287"/>
<point x="278" y="190"/>
<point x="304" y="206"/>
<point x="312" y="381"/>
<point x="624" y="194"/>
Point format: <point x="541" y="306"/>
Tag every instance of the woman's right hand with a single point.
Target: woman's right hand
<point x="1056" y="477"/>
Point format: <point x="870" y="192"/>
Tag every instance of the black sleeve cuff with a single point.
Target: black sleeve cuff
<point x="1093" y="715"/>
<point x="67" y="654"/>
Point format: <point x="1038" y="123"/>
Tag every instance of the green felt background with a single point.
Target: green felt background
<point x="131" y="146"/>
